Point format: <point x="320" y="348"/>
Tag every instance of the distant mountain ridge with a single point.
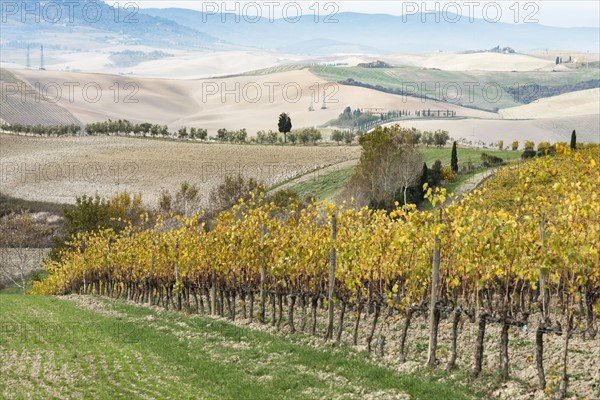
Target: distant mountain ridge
<point x="177" y="28"/>
<point x="34" y="19"/>
<point x="383" y="33"/>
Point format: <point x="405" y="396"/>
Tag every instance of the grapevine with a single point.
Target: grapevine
<point x="521" y="250"/>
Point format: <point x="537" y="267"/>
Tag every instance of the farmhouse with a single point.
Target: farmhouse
<point x="373" y="110"/>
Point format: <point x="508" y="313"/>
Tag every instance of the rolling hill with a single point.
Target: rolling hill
<point x="582" y="102"/>
<point x="252" y="106"/>
<point x="21" y="104"/>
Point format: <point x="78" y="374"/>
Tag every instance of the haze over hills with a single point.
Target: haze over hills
<point x="380" y="32"/>
<point x="66" y="25"/>
<point x="345" y="32"/>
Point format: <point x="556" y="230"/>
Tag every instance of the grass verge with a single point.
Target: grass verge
<point x="85" y="347"/>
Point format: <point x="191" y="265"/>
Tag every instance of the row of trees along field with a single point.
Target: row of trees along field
<point x="522" y="251"/>
<point x="49" y="130"/>
<point x="304" y="136"/>
<point x="145" y="129"/>
<point x="358" y="119"/>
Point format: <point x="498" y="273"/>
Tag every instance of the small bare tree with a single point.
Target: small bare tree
<point x="410" y="169"/>
<point x="187" y="198"/>
<point x="17" y="258"/>
<point x="186" y="201"/>
<point x="231" y="190"/>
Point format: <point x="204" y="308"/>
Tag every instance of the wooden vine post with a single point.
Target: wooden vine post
<point x="263" y="274"/>
<point x="177" y="281"/>
<point x="433" y="324"/>
<point x="544" y="322"/>
<point x="542" y="277"/>
<point x="332" y="262"/>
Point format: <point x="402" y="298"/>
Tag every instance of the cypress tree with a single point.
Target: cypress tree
<point x="424" y="175"/>
<point x="454" y="159"/>
<point x="424" y="179"/>
<point x="434" y="175"/>
<point x="573" y="140"/>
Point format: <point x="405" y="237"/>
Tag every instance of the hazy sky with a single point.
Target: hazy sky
<point x="552" y="13"/>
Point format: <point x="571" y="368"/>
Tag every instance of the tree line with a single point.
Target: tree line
<point x="361" y="120"/>
<point x="38" y="129"/>
<point x="309" y="135"/>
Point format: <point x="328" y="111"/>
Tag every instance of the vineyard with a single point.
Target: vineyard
<point x="519" y="255"/>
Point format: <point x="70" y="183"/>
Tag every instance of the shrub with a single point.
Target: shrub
<point x="543" y="146"/>
<point x="92" y="214"/>
<point x="547" y="151"/>
<point x="229" y="193"/>
<point x="489" y="160"/>
<point x="528" y="154"/>
<point x="448" y="174"/>
<point x="286" y="198"/>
